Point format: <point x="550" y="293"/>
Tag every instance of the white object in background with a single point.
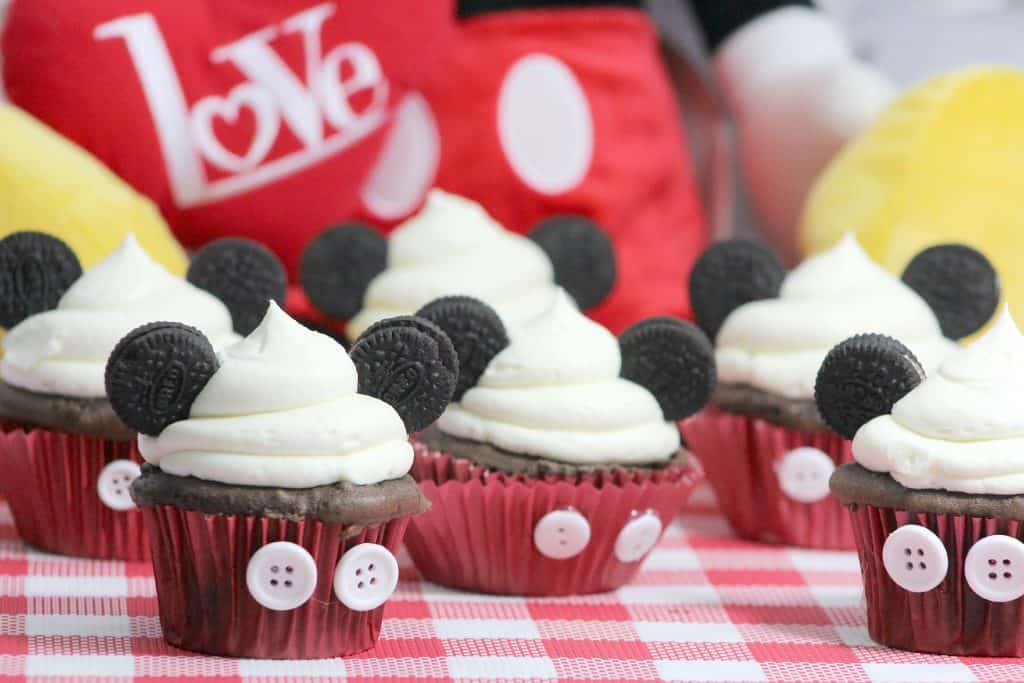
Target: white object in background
<point x="994" y="568"/>
<point x="561" y="534"/>
<point x="914" y="558"/>
<point x="115" y="482"/>
<point x="281" y="576"/>
<point x="638" y="537"/>
<point x="804" y="473"/>
<point x="366" y="576"/>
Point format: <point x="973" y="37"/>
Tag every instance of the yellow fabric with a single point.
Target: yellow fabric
<point x="945" y="163"/>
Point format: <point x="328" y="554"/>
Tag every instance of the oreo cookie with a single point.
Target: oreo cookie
<point x="582" y="255"/>
<point x="862" y="378"/>
<point x="958" y="283"/>
<point x="445" y="348"/>
<point x="403" y="367"/>
<point x="673" y="360"/>
<point x="475" y="330"/>
<point x="155" y="373"/>
<point x="35" y="271"/>
<point x="244" y="274"/>
<point x="338" y="266"/>
<point x="729" y="274"/>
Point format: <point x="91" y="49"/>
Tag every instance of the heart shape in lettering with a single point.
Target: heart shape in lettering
<point x="228" y="108"/>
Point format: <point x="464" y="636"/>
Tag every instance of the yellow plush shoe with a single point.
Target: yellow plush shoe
<point x="48" y="183"/>
<point x="945" y="163"/>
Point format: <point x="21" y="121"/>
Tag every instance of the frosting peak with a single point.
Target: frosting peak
<point x="961" y="428"/>
<point x="452" y="246"/>
<point x="282" y="410"/>
<point x="64" y="351"/>
<point x="778" y="344"/>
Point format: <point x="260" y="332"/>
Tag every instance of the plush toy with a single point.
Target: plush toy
<point x="276" y="119"/>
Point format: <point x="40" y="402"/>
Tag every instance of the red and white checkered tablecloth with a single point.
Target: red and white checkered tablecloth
<point x="707" y="607"/>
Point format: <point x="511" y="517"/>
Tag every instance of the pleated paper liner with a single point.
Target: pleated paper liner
<point x="50" y="479"/>
<point x="478" y="534"/>
<point x="200" y="561"/>
<point x="739" y="455"/>
<point x="951" y="618"/>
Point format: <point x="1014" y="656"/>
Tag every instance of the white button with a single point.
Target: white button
<point x="803" y="474"/>
<point x="544" y="124"/>
<point x="366" y="577"/>
<point x="638" y="537"/>
<point x="994" y="568"/>
<point x="281" y="576"/>
<point x="914" y="558"/>
<point x="115" y="482"/>
<point x="561" y="534"/>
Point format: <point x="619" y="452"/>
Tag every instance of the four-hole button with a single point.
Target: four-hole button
<point x="915" y="558"/>
<point x="994" y="568"/>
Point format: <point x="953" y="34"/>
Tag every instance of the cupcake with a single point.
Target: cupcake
<point x="765" y="448"/>
<point x="68" y="460"/>
<point x="560" y="463"/>
<point x="936" y="492"/>
<point x="276" y="491"/>
<point x="452" y="246"/>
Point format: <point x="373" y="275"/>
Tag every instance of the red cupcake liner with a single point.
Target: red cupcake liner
<point x="739" y="455"/>
<point x="478" y="534"/>
<point x="200" y="561"/>
<point x="49" y="479"/>
<point x="951" y="618"/>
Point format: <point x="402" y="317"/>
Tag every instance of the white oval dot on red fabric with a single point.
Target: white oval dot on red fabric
<point x="915" y="558"/>
<point x="545" y="124"/>
<point x="638" y="537"/>
<point x="281" y="576"/>
<point x="561" y="534"/>
<point x="408" y="162"/>
<point x="114" y="484"/>
<point x="994" y="568"/>
<point x="365" y="577"/>
<point x="804" y="473"/>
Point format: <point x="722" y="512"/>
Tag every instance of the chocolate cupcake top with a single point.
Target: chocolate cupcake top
<point x="774" y="336"/>
<point x="960" y="429"/>
<point x="64" y="324"/>
<point x="561" y="387"/>
<point x="285" y="407"/>
<point x="452" y="246"/>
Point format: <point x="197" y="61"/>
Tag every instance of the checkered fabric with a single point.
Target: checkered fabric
<point x="707" y="607"/>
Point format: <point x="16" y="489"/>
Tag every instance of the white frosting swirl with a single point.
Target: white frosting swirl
<point x="282" y="410"/>
<point x="555" y="392"/>
<point x="778" y="344"/>
<point x="454" y="247"/>
<point x="64" y="351"/>
<point x="962" y="428"/>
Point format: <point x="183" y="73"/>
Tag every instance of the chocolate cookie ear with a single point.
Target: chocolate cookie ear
<point x="404" y="366"/>
<point x="959" y="284"/>
<point x="445" y="348"/>
<point x="155" y="373"/>
<point x="673" y="360"/>
<point x="244" y="274"/>
<point x="862" y="378"/>
<point x="338" y="266"/>
<point x="582" y="255"/>
<point x="476" y="332"/>
<point x="35" y="271"/>
<point x="729" y="274"/>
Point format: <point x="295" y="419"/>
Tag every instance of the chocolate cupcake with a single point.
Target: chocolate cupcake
<point x="452" y="246"/>
<point x="276" y="490"/>
<point x="762" y="442"/>
<point x="68" y="459"/>
<point x="936" y="492"/>
<point x="560" y="463"/>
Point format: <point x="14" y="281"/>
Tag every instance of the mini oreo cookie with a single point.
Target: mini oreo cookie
<point x="244" y="274"/>
<point x="673" y="360"/>
<point x="155" y="373"/>
<point x="729" y="274"/>
<point x="582" y="255"/>
<point x="445" y="348"/>
<point x="338" y="266"/>
<point x="958" y="283"/>
<point x="475" y="330"/>
<point x="403" y="367"/>
<point x="35" y="271"/>
<point x="862" y="378"/>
